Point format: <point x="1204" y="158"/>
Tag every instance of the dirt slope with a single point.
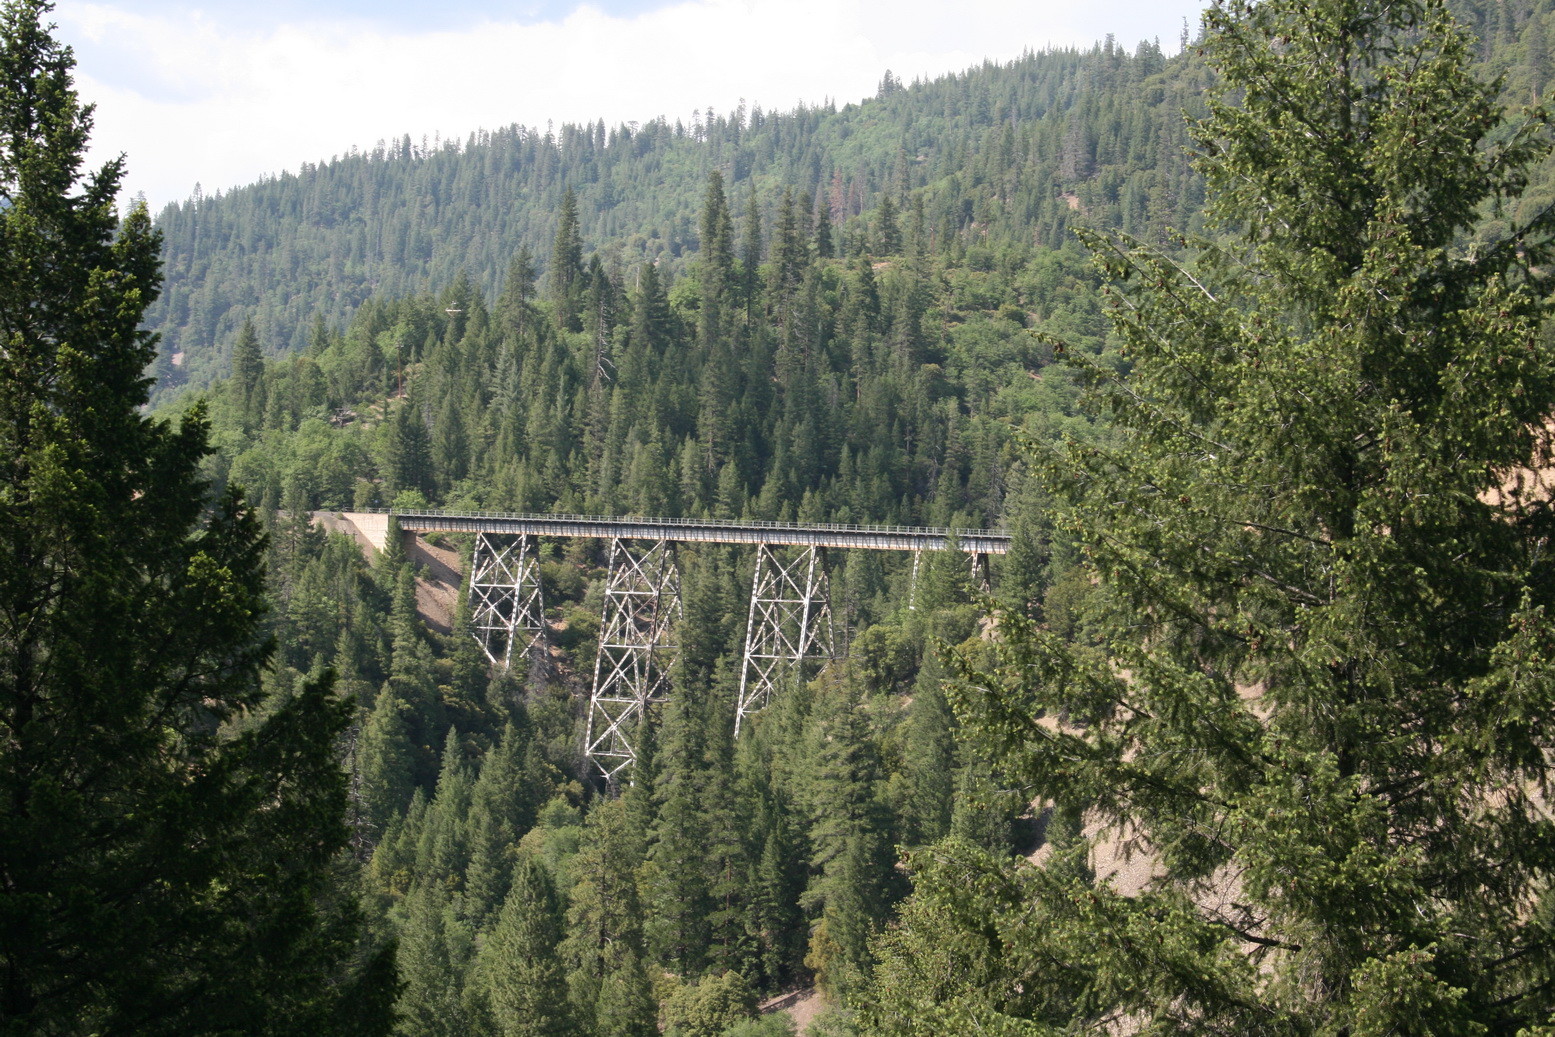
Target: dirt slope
<point x="438" y="576"/>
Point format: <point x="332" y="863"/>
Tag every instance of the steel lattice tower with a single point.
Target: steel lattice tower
<point x="790" y="624"/>
<point x="506" y="608"/>
<point x="637" y="647"/>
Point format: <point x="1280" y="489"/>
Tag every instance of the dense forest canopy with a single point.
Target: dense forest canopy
<point x="171" y="833"/>
<point x="997" y="155"/>
<point x="846" y="314"/>
<point x="874" y="313"/>
<point x="1002" y="154"/>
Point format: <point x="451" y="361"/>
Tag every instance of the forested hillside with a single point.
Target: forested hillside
<point x="830" y="315"/>
<point x="774" y="381"/>
<point x="1000" y="155"/>
<point x="1014" y="154"/>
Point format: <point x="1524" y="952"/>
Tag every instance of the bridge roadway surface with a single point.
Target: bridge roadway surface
<point x="713" y="531"/>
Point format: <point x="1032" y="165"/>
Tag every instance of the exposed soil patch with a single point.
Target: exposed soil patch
<point x="335" y="522"/>
<point x="802" y="1006"/>
<point x="437" y="583"/>
<point x="438" y="576"/>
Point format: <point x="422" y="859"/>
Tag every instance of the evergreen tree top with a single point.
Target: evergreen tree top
<point x="1320" y="699"/>
<point x="167" y="835"/>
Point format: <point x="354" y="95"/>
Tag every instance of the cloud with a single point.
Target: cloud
<point x="191" y="98"/>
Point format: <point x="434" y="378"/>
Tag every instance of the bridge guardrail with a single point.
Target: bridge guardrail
<point x="814" y="529"/>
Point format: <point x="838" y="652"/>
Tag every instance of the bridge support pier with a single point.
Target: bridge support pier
<point x="506" y="609"/>
<point x="637" y="647"/>
<point x="790" y="623"/>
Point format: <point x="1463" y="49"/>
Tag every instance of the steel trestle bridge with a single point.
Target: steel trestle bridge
<point x="711" y="531"/>
<point x="788" y="629"/>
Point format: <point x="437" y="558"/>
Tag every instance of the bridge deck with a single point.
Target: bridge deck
<point x="714" y="531"/>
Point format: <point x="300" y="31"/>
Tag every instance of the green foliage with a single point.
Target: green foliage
<point x="625" y="1007"/>
<point x="502" y="808"/>
<point x="774" y="379"/>
<point x="604" y="947"/>
<point x="566" y="267"/>
<point x="823" y="315"/>
<point x="926" y="783"/>
<point x="675" y="880"/>
<point x="384" y="764"/>
<point x="248" y="371"/>
<point x="709" y="1007"/>
<point x="1324" y="663"/>
<point x="972" y="951"/>
<point x="884" y="655"/>
<point x="985" y="149"/>
<point x="833" y="1022"/>
<point x="168" y="834"/>
<point x="520" y="975"/>
<point x="436" y="947"/>
<point x="776" y="1024"/>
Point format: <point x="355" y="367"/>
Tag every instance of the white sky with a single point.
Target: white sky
<point x="222" y="93"/>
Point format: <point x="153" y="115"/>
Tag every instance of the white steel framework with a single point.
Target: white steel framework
<point x="790" y="624"/>
<point x="506" y="608"/>
<point x="982" y="576"/>
<point x="637" y="647"/>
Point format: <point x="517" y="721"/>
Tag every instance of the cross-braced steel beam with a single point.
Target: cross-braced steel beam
<point x="790" y="625"/>
<point x="506" y="609"/>
<point x="637" y="647"/>
<point x="982" y="576"/>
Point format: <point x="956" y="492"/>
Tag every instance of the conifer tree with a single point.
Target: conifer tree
<point x="248" y="378"/>
<point x="566" y="275"/>
<point x="652" y="323"/>
<point x="389" y="872"/>
<point x="604" y="946"/>
<point x="790" y="256"/>
<point x="513" y="313"/>
<point x="519" y="973"/>
<point x="450" y="443"/>
<point x="626" y="1007"/>
<point x="981" y="812"/>
<point x="166" y="846"/>
<point x="888" y="232"/>
<point x="443" y="853"/>
<point x="384" y="763"/>
<point x="1327" y="682"/>
<point x="776" y="883"/>
<point x="928" y="778"/>
<point x="408" y="453"/>
<point x="675" y="887"/>
<point x="825" y="248"/>
<point x="716" y="264"/>
<point x="750" y="257"/>
<point x="436" y="947"/>
<point x="851" y="840"/>
<point x="411" y="679"/>
<point x="502" y="808"/>
<point x="725" y="856"/>
<point x="637" y="800"/>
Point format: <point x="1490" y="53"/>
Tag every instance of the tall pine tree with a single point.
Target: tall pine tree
<point x="520" y="976"/>
<point x="166" y="847"/>
<point x="1323" y="704"/>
